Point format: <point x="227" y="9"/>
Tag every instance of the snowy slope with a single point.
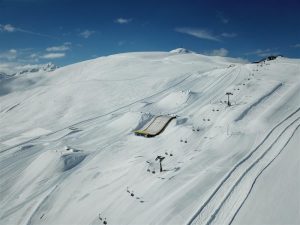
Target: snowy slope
<point x="277" y="180"/>
<point x="214" y="154"/>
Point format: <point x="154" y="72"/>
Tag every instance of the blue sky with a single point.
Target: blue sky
<point x="69" y="31"/>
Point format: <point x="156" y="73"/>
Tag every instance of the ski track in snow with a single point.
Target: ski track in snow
<point x="102" y="115"/>
<point x="244" y="200"/>
<point x="245" y="112"/>
<point x="113" y="158"/>
<point x="214" y="204"/>
<point x="215" y="89"/>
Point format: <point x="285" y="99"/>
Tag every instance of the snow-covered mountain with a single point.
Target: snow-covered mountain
<point x="181" y="51"/>
<point x="26" y="69"/>
<point x="37" y="68"/>
<point x="4" y="76"/>
<point x="68" y="154"/>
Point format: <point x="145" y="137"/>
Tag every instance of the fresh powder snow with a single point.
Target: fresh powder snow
<point x="69" y="155"/>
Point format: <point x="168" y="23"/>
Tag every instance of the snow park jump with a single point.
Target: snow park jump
<point x="155" y="126"/>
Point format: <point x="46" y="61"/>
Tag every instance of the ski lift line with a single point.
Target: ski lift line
<point x="221" y="79"/>
<point x="194" y="218"/>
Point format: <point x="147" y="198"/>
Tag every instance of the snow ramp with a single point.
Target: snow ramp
<point x="155" y="126"/>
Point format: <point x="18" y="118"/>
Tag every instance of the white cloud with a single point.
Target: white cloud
<point x="228" y="35"/>
<point x="7" y="28"/>
<point x="53" y="56"/>
<point x="13" y="51"/>
<point x="296" y="46"/>
<point x="10" y="29"/>
<point x="61" y="48"/>
<point x="8" y="67"/>
<point x="199" y="33"/>
<point x="263" y="52"/>
<point x="123" y="21"/>
<point x="27" y="56"/>
<point x="33" y="56"/>
<point x="120" y="43"/>
<point x="9" y="55"/>
<point x="86" y="33"/>
<point x="219" y="52"/>
<point x="222" y="18"/>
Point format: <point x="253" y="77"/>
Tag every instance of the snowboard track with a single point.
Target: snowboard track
<point x="245" y="159"/>
<point x="256" y="178"/>
<point x="187" y="75"/>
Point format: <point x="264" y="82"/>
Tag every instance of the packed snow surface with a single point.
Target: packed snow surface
<point x="68" y="154"/>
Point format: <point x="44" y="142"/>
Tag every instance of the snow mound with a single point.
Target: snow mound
<point x="170" y="103"/>
<point x="181" y="51"/>
<point x="127" y="121"/>
<point x="144" y="119"/>
<point x="174" y="100"/>
<point x="70" y="160"/>
<point x="57" y="161"/>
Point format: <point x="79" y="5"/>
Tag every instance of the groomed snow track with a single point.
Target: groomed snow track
<point x="92" y="119"/>
<point x="225" y="201"/>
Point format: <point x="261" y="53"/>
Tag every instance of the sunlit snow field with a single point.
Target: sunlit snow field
<point x="68" y="152"/>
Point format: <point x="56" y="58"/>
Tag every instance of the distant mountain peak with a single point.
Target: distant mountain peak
<point x="49" y="67"/>
<point x="37" y="68"/>
<point x="4" y="76"/>
<point x="181" y="51"/>
<point x="26" y="69"/>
